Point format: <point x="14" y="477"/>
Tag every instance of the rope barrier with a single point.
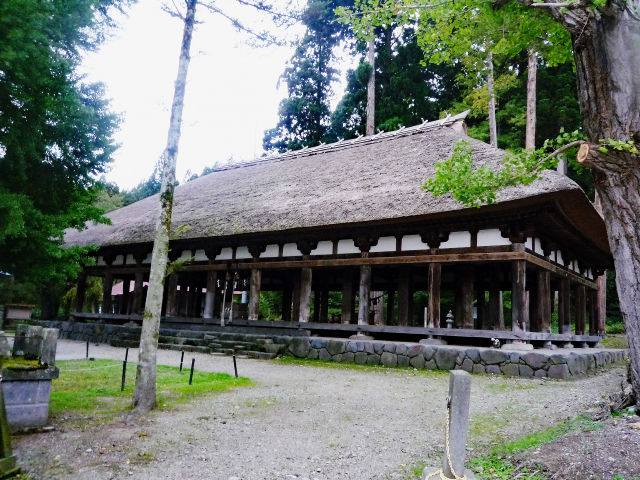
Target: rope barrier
<point x="93" y="368"/>
<point x="440" y="473"/>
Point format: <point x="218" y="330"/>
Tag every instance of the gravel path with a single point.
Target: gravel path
<point x="301" y="421"/>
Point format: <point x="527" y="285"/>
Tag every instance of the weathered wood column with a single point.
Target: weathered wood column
<point x="593" y="312"/>
<point x="496" y="312"/>
<point x="467" y="298"/>
<point x="347" y="297"/>
<point x="482" y="307"/>
<point x="533" y="307"/>
<point x="433" y="307"/>
<point x="81" y="290"/>
<point x="544" y="303"/>
<point x="254" y="293"/>
<point x="210" y="296"/>
<point x="286" y="302"/>
<point x="192" y="302"/>
<point x="581" y="309"/>
<point x="519" y="311"/>
<point x="172" y="295"/>
<point x="391" y="296"/>
<point x="365" y="291"/>
<point x="404" y="281"/>
<point x="138" y="294"/>
<point x="304" y="298"/>
<point x="602" y="303"/>
<point x="124" y="301"/>
<point x="107" y="285"/>
<point x="564" y="306"/>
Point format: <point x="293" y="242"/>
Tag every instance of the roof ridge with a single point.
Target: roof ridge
<point x="345" y="144"/>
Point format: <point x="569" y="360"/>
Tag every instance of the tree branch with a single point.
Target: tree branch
<point x="564" y="148"/>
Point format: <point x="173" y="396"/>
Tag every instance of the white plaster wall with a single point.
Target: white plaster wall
<point x="270" y="252"/>
<point x="119" y="260"/>
<point x="242" y="253"/>
<point x="457" y="240"/>
<point x="185" y="255"/>
<point x="559" y="258"/>
<point x="413" y="242"/>
<point x="291" y="250"/>
<point x="325" y="247"/>
<point x="346" y="245"/>
<point x="225" y="254"/>
<point x="200" y="256"/>
<point x="491" y="237"/>
<point x="129" y="260"/>
<point x="538" y="247"/>
<point x="529" y="244"/>
<point x="100" y="261"/>
<point x="148" y="259"/>
<point x="385" y="244"/>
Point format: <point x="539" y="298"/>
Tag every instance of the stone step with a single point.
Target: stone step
<point x="185" y="348"/>
<point x="182" y="340"/>
<point x="276" y="349"/>
<point x="116" y="342"/>
<point x="261" y="355"/>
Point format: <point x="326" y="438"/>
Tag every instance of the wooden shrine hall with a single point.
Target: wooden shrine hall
<point x="349" y="221"/>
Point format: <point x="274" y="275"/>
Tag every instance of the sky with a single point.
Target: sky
<point x="232" y="93"/>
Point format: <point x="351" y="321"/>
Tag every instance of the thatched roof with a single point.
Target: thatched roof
<point x="363" y="180"/>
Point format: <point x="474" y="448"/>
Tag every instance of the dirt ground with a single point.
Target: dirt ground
<point x="309" y="422"/>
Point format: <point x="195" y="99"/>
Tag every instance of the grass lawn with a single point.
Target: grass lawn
<point x="93" y="387"/>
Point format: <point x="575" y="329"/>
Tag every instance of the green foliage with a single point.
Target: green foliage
<point x="619" y="145"/>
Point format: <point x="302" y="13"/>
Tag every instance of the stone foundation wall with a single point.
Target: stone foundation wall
<point x="559" y="364"/>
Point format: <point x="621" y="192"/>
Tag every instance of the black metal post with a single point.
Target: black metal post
<point x="193" y="362"/>
<point x="235" y="366"/>
<point x="124" y="375"/>
<point x="87" y="354"/>
<point x="181" y="360"/>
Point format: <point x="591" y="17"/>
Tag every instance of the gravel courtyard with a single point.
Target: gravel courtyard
<point x="301" y="421"/>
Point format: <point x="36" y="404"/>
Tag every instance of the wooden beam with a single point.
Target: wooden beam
<point x="433" y="308"/>
<point x="304" y="294"/>
<point x="254" y="294"/>
<point x="365" y="290"/>
<point x="519" y="313"/>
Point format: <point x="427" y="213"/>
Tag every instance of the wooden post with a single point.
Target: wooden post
<point x="192" y="302"/>
<point x="295" y="310"/>
<point x="403" y="297"/>
<point x="544" y="301"/>
<point x="534" y="318"/>
<point x="172" y="293"/>
<point x="593" y="312"/>
<point x="286" y="302"/>
<point x="467" y="299"/>
<point x="347" y="297"/>
<point x="138" y="294"/>
<point x="564" y="306"/>
<point x="581" y="309"/>
<point x="482" y="308"/>
<point x="433" y="307"/>
<point x="107" y="285"/>
<point x="124" y="302"/>
<point x="81" y="290"/>
<point x="365" y="290"/>
<point x="210" y="296"/>
<point x="602" y="303"/>
<point x="305" y="294"/>
<point x="254" y="293"/>
<point x="519" y="312"/>
<point x="391" y="296"/>
<point x="496" y="312"/>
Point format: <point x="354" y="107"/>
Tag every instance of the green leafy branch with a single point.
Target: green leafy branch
<point x="619" y="145"/>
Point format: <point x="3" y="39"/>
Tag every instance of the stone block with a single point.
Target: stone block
<point x="510" y="370"/>
<point x="473" y="354"/>
<point x="337" y="357"/>
<point x="373" y="359"/>
<point x="401" y="349"/>
<point x="389" y="347"/>
<point x="514" y="357"/>
<point x="324" y="354"/>
<point x="535" y="360"/>
<point x="299" y="346"/>
<point x="460" y="358"/>
<point x="417" y="362"/>
<point x="478" y="368"/>
<point x="5" y="349"/>
<point x="352" y="347"/>
<point x="20" y="340"/>
<point x="445" y="358"/>
<point x="493" y="357"/>
<point x="525" y="371"/>
<point x="361" y="358"/>
<point x="541" y="373"/>
<point x="348" y="357"/>
<point x="428" y="352"/>
<point x="378" y="348"/>
<point x="318" y="343"/>
<point x="403" y="361"/>
<point x="368" y="347"/>
<point x="27" y="403"/>
<point x="335" y="347"/>
<point x="414" y="350"/>
<point x="493" y="369"/>
<point x="430" y="365"/>
<point x="312" y="354"/>
<point x="560" y="372"/>
<point x="389" y="359"/>
<point x="467" y="365"/>
<point x="48" y="346"/>
<point x="557" y="359"/>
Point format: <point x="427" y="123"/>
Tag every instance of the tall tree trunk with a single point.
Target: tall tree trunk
<point x="144" y="397"/>
<point x="371" y="88"/>
<point x="532" y="70"/>
<point x="493" y="129"/>
<point x="607" y="57"/>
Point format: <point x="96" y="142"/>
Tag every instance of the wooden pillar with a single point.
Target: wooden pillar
<point x="496" y="312"/>
<point x="295" y="310"/>
<point x="138" y="294"/>
<point x="581" y="309"/>
<point x="534" y="318"/>
<point x="365" y="291"/>
<point x="467" y="298"/>
<point x="305" y="294"/>
<point x="564" y="306"/>
<point x="81" y="290"/>
<point x="254" y="293"/>
<point x="593" y="312"/>
<point x="192" y="309"/>
<point x="286" y="302"/>
<point x="391" y="296"/>
<point x="403" y="297"/>
<point x="210" y="296"/>
<point x="172" y="292"/>
<point x="544" y="301"/>
<point x="602" y="304"/>
<point x="107" y="285"/>
<point x="519" y="312"/>
<point x="347" y="297"/>
<point x="483" y="323"/>
<point x="124" y="301"/>
<point x="433" y="307"/>
<point x="324" y="304"/>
